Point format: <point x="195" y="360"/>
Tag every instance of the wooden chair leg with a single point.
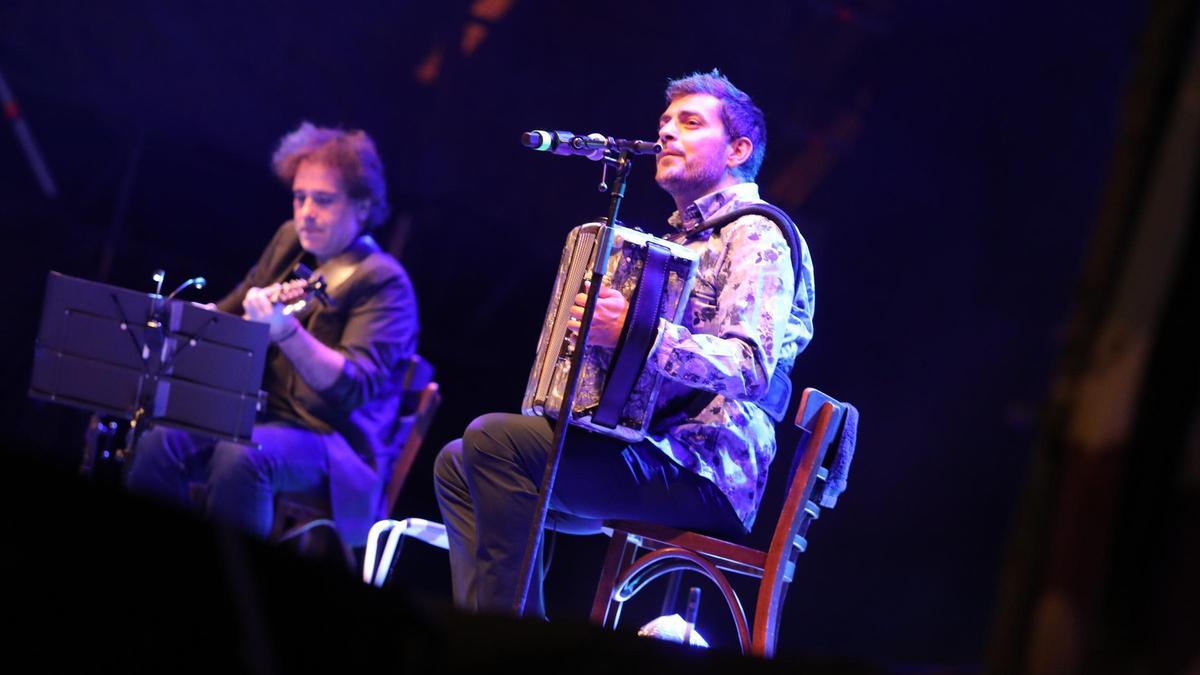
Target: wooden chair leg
<point x="767" y="614"/>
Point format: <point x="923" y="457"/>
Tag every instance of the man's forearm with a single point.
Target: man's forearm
<point x="318" y="365"/>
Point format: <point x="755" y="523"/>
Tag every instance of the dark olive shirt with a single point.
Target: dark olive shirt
<point x="372" y="321"/>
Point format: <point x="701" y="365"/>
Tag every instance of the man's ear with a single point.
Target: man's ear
<point x="739" y="152"/>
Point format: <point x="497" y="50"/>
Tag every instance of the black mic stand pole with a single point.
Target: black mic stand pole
<point x="621" y="164"/>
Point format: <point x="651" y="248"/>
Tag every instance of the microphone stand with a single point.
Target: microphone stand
<point x="621" y="164"/>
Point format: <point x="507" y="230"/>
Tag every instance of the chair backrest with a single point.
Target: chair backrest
<point x="420" y="403"/>
<point x="821" y="420"/>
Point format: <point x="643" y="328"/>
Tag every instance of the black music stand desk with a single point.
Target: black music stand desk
<point x="144" y="358"/>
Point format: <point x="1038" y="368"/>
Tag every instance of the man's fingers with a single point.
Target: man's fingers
<point x="256" y="304"/>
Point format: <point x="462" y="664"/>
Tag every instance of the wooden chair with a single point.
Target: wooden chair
<point x="825" y="424"/>
<point x="386" y="536"/>
<point x="299" y="515"/>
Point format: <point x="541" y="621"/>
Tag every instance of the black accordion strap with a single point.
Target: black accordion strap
<point x="640" y="323"/>
<point x="779" y="391"/>
<point x="791" y="233"/>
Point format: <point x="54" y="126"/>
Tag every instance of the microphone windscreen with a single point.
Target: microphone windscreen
<point x="538" y="140"/>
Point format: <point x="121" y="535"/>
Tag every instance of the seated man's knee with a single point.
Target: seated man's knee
<point x="161" y="444"/>
<point x="447" y="466"/>
<point x="155" y="437"/>
<point x="234" y="460"/>
<point x="159" y="454"/>
<point x="483" y="439"/>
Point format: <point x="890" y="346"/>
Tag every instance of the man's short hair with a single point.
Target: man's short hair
<point x="738" y="113"/>
<point x="352" y="153"/>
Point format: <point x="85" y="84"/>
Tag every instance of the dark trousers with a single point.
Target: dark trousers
<point x="240" y="480"/>
<point x="487" y="485"/>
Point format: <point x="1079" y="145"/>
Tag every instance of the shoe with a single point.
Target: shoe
<point x="673" y="628"/>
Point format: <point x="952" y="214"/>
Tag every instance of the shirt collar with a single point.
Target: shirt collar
<point x="712" y="204"/>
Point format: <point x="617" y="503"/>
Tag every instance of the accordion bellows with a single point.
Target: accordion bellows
<point x="624" y="270"/>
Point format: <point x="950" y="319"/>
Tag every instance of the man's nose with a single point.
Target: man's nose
<point x="666" y="132"/>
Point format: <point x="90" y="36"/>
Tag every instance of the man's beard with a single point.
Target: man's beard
<point x="691" y="180"/>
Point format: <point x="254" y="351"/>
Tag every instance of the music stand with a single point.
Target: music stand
<point x="144" y="358"/>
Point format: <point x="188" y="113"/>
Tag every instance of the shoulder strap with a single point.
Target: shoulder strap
<point x="779" y="391"/>
<point x="791" y="233"/>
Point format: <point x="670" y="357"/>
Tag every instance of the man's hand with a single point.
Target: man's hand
<point x="607" y="320"/>
<point x="317" y="364"/>
<point x="258" y="306"/>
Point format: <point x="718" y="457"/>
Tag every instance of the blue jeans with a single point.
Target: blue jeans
<point x="487" y="486"/>
<point x="240" y="480"/>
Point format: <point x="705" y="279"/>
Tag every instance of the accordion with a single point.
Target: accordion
<point x="616" y="392"/>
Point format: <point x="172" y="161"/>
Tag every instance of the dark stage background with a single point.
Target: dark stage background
<point x="946" y="160"/>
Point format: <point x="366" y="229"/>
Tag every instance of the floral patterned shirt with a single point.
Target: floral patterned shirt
<point x="747" y="317"/>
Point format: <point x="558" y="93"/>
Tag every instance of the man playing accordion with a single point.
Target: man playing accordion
<point x="703" y="464"/>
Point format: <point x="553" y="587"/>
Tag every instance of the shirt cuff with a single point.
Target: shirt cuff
<point x="664" y="340"/>
<point x="343" y="387"/>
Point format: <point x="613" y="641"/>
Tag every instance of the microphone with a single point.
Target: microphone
<point x="591" y="146"/>
<point x="565" y="143"/>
